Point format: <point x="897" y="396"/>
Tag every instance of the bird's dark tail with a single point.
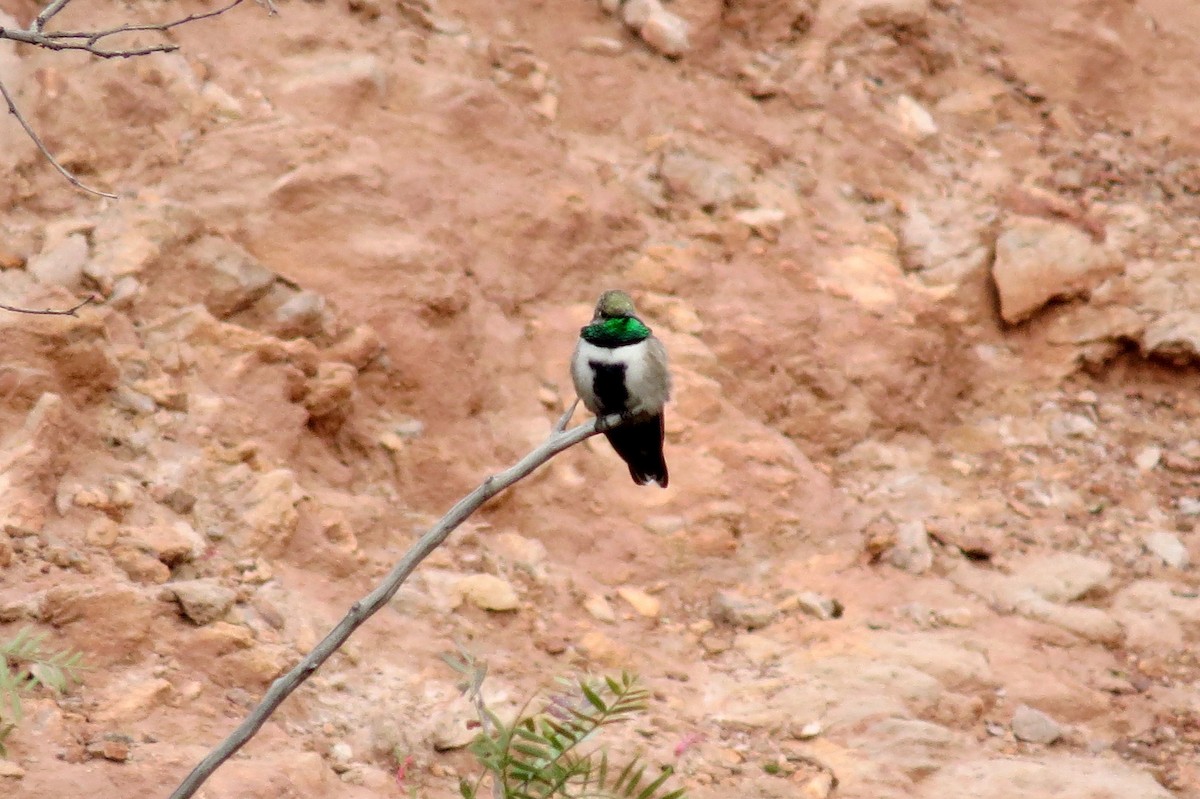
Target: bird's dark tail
<point x="640" y="445"/>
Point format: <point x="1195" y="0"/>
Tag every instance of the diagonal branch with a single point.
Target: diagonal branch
<point x="48" y="12"/>
<point x="62" y="170"/>
<point x="364" y="608"/>
<point x="72" y="311"/>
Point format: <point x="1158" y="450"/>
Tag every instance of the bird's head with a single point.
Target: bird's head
<point x="614" y="304"/>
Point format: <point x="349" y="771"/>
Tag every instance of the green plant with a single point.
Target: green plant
<point x="544" y="754"/>
<point x="25" y="664"/>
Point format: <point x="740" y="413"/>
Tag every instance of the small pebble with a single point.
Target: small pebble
<point x="1168" y="548"/>
<point x="640" y="601"/>
<point x="1148" y="458"/>
<point x="740" y="611"/>
<point x="1034" y="726"/>
<point x="601" y="45"/>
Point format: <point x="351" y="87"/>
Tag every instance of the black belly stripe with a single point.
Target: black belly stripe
<point x="608" y="384"/>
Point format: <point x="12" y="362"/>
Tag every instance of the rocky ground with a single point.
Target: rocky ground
<point x="927" y="273"/>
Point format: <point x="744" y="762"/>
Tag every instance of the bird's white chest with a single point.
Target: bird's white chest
<point x="641" y="382"/>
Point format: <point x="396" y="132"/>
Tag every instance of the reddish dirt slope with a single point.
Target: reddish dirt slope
<point x="354" y="247"/>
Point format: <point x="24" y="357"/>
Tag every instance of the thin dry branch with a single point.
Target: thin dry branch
<point x="364" y="608"/>
<point x="72" y="311"/>
<point x="92" y="42"/>
<point x="49" y="11"/>
<point x="62" y="170"/>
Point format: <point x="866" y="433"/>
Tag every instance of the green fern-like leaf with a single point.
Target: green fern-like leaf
<point x="26" y="665"/>
<point x="546" y="754"/>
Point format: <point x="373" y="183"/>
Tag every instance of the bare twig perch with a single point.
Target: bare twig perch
<point x="62" y="170"/>
<point x="72" y="311"/>
<point x="94" y="43"/>
<point x="559" y="440"/>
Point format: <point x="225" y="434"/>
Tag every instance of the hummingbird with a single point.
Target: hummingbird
<point x="620" y="367"/>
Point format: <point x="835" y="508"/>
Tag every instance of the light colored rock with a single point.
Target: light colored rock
<point x="107" y="623"/>
<point x="765" y="222"/>
<point x="62" y="263"/>
<point x="1092" y="624"/>
<point x="599" y="608"/>
<point x="1147" y="458"/>
<point x="132" y="700"/>
<point x="915" y="748"/>
<point x="643" y="604"/>
<point x="10" y="770"/>
<point x="269" y="510"/>
<point x="321" y="83"/>
<point x="1038" y="260"/>
<point x="301" y="316"/>
<point x="819" y="606"/>
<point x="1063" y="576"/>
<point x="1034" y="726"/>
<point x="235" y="280"/>
<point x="915" y="121"/>
<point x="488" y="592"/>
<point x="634" y="13"/>
<point x="841" y="14"/>
<point x="819" y="786"/>
<point x="140" y="566"/>
<point x="912" y="551"/>
<point x="1175" y="336"/>
<point x="940" y="655"/>
<point x="453" y="725"/>
<point x="839" y="690"/>
<point x="358" y="348"/>
<point x="1078" y="777"/>
<point x="331" y="391"/>
<point x="758" y="649"/>
<point x="665" y="33"/>
<point x="1073" y="425"/>
<point x="256" y="665"/>
<point x="524" y="553"/>
<point x="1168" y="548"/>
<point x="171" y="542"/>
<point x="899" y="13"/>
<point x="1158" y="615"/>
<point x="664" y="525"/>
<point x="341" y="756"/>
<point x="601" y="45"/>
<point x="695" y="177"/>
<point x="945" y="238"/>
<point x="1010" y="594"/>
<point x="602" y="649"/>
<point x="203" y="601"/>
<point x="740" y="611"/>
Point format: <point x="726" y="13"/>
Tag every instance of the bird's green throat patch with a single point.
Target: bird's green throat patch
<point x="615" y="332"/>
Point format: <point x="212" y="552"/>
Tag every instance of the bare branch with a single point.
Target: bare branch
<point x="72" y="311"/>
<point x="561" y="424"/>
<point x="62" y="170"/>
<point x="48" y="12"/>
<point x="52" y="41"/>
<point x="363" y="609"/>
<point x="92" y="42"/>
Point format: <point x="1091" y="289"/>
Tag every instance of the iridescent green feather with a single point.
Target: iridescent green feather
<point x="615" y="332"/>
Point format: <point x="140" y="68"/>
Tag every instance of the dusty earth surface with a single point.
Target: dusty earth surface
<point x="928" y="274"/>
